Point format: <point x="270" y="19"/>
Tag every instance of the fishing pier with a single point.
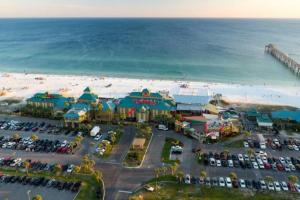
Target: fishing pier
<point x="283" y="58"/>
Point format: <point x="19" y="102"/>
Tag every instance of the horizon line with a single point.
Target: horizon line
<point x="135" y="17"/>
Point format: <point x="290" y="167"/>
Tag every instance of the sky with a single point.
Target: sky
<point x="151" y="8"/>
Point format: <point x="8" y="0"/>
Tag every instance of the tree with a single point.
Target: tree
<point x="250" y="152"/>
<point x="180" y="176"/>
<point x="293" y="179"/>
<point x="226" y="151"/>
<point x="203" y="174"/>
<point x="173" y="168"/>
<point x="233" y="175"/>
<point x="37" y="197"/>
<point x="164" y="170"/>
<point x="98" y="175"/>
<point x="34" y="137"/>
<point x="57" y="169"/>
<point x="269" y="179"/>
<point x="16" y="136"/>
<point x="87" y="165"/>
<point x="76" y="169"/>
<point x="26" y="165"/>
<point x="247" y="134"/>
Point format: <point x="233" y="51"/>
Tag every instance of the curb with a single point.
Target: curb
<point x="103" y="190"/>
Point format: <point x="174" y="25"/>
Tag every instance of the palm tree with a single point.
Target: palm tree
<point x="250" y="152"/>
<point x="180" y="176"/>
<point x="37" y="197"/>
<point x="57" y="169"/>
<point x="98" y="175"/>
<point x="34" y="137"/>
<point x="233" y="175"/>
<point x="76" y="169"/>
<point x="26" y="165"/>
<point x="269" y="179"/>
<point x="203" y="174"/>
<point x="16" y="136"/>
<point x="164" y="170"/>
<point x="157" y="173"/>
<point x="174" y="168"/>
<point x="293" y="179"/>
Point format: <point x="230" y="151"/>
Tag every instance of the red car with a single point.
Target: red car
<point x="268" y="166"/>
<point x="291" y="187"/>
<point x="280" y="167"/>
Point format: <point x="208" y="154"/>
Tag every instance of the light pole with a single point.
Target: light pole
<point x="28" y="194"/>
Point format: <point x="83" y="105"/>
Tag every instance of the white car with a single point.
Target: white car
<point x="271" y="186"/>
<point x="221" y="182"/>
<point x="149" y="188"/>
<point x="97" y="137"/>
<point x="297" y="186"/>
<point x="162" y="127"/>
<point x="284" y="186"/>
<point x="187" y="179"/>
<point x="287" y="168"/>
<point x="282" y="160"/>
<point x="295" y="147"/>
<point x="288" y="160"/>
<point x="246" y="157"/>
<point x="255" y="166"/>
<point x="64" y="143"/>
<point x="70" y="168"/>
<point x="292" y="167"/>
<point x="263" y="185"/>
<point x="228" y="182"/>
<point x="264" y="159"/>
<point x="276" y="141"/>
<point x="219" y="163"/>
<point x="261" y="165"/>
<point x="277" y="186"/>
<point x="230" y="163"/>
<point x="240" y="156"/>
<point x="242" y="183"/>
<point x="246" y="144"/>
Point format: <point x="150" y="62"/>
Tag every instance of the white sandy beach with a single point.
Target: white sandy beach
<point x="20" y="85"/>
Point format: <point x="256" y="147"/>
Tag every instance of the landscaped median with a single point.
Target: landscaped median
<point x="106" y="146"/>
<point x="138" y="148"/>
<point x="166" y="152"/>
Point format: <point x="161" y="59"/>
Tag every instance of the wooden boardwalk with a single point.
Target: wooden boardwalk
<point x="283" y="58"/>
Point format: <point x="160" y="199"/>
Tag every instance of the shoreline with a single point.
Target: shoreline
<point x="24" y="85"/>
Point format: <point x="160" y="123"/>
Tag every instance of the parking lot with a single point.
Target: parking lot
<point x="15" y="192"/>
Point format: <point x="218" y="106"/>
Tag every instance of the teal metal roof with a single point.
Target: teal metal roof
<point x="252" y="113"/>
<point x="87" y="89"/>
<point x="89" y="97"/>
<point x="287" y="115"/>
<point x="59" y="101"/>
<point x="264" y="118"/>
<point x="108" y="105"/>
<point x="73" y="113"/>
<point x="157" y="104"/>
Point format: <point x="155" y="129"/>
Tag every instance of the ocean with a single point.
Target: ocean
<point x="212" y="50"/>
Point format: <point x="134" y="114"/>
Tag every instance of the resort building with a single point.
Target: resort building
<point x="145" y="106"/>
<point x="56" y="103"/>
<point x="287" y="119"/>
<point x="82" y="111"/>
<point x="106" y="111"/>
<point x="79" y="113"/>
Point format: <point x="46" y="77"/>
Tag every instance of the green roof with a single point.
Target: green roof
<point x="252" y="113"/>
<point x="87" y="89"/>
<point x="59" y="101"/>
<point x="264" y="118"/>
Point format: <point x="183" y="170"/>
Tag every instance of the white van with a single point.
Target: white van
<point x="162" y="127"/>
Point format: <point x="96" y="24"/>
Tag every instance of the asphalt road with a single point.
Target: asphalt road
<point x="120" y="181"/>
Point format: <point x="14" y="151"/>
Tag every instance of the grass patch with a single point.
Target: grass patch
<point x="88" y="187"/>
<point x="165" y="154"/>
<point x="235" y="144"/>
<point x="175" y="191"/>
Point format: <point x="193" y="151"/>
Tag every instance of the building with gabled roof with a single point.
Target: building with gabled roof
<point x="145" y="106"/>
<point x="54" y="102"/>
